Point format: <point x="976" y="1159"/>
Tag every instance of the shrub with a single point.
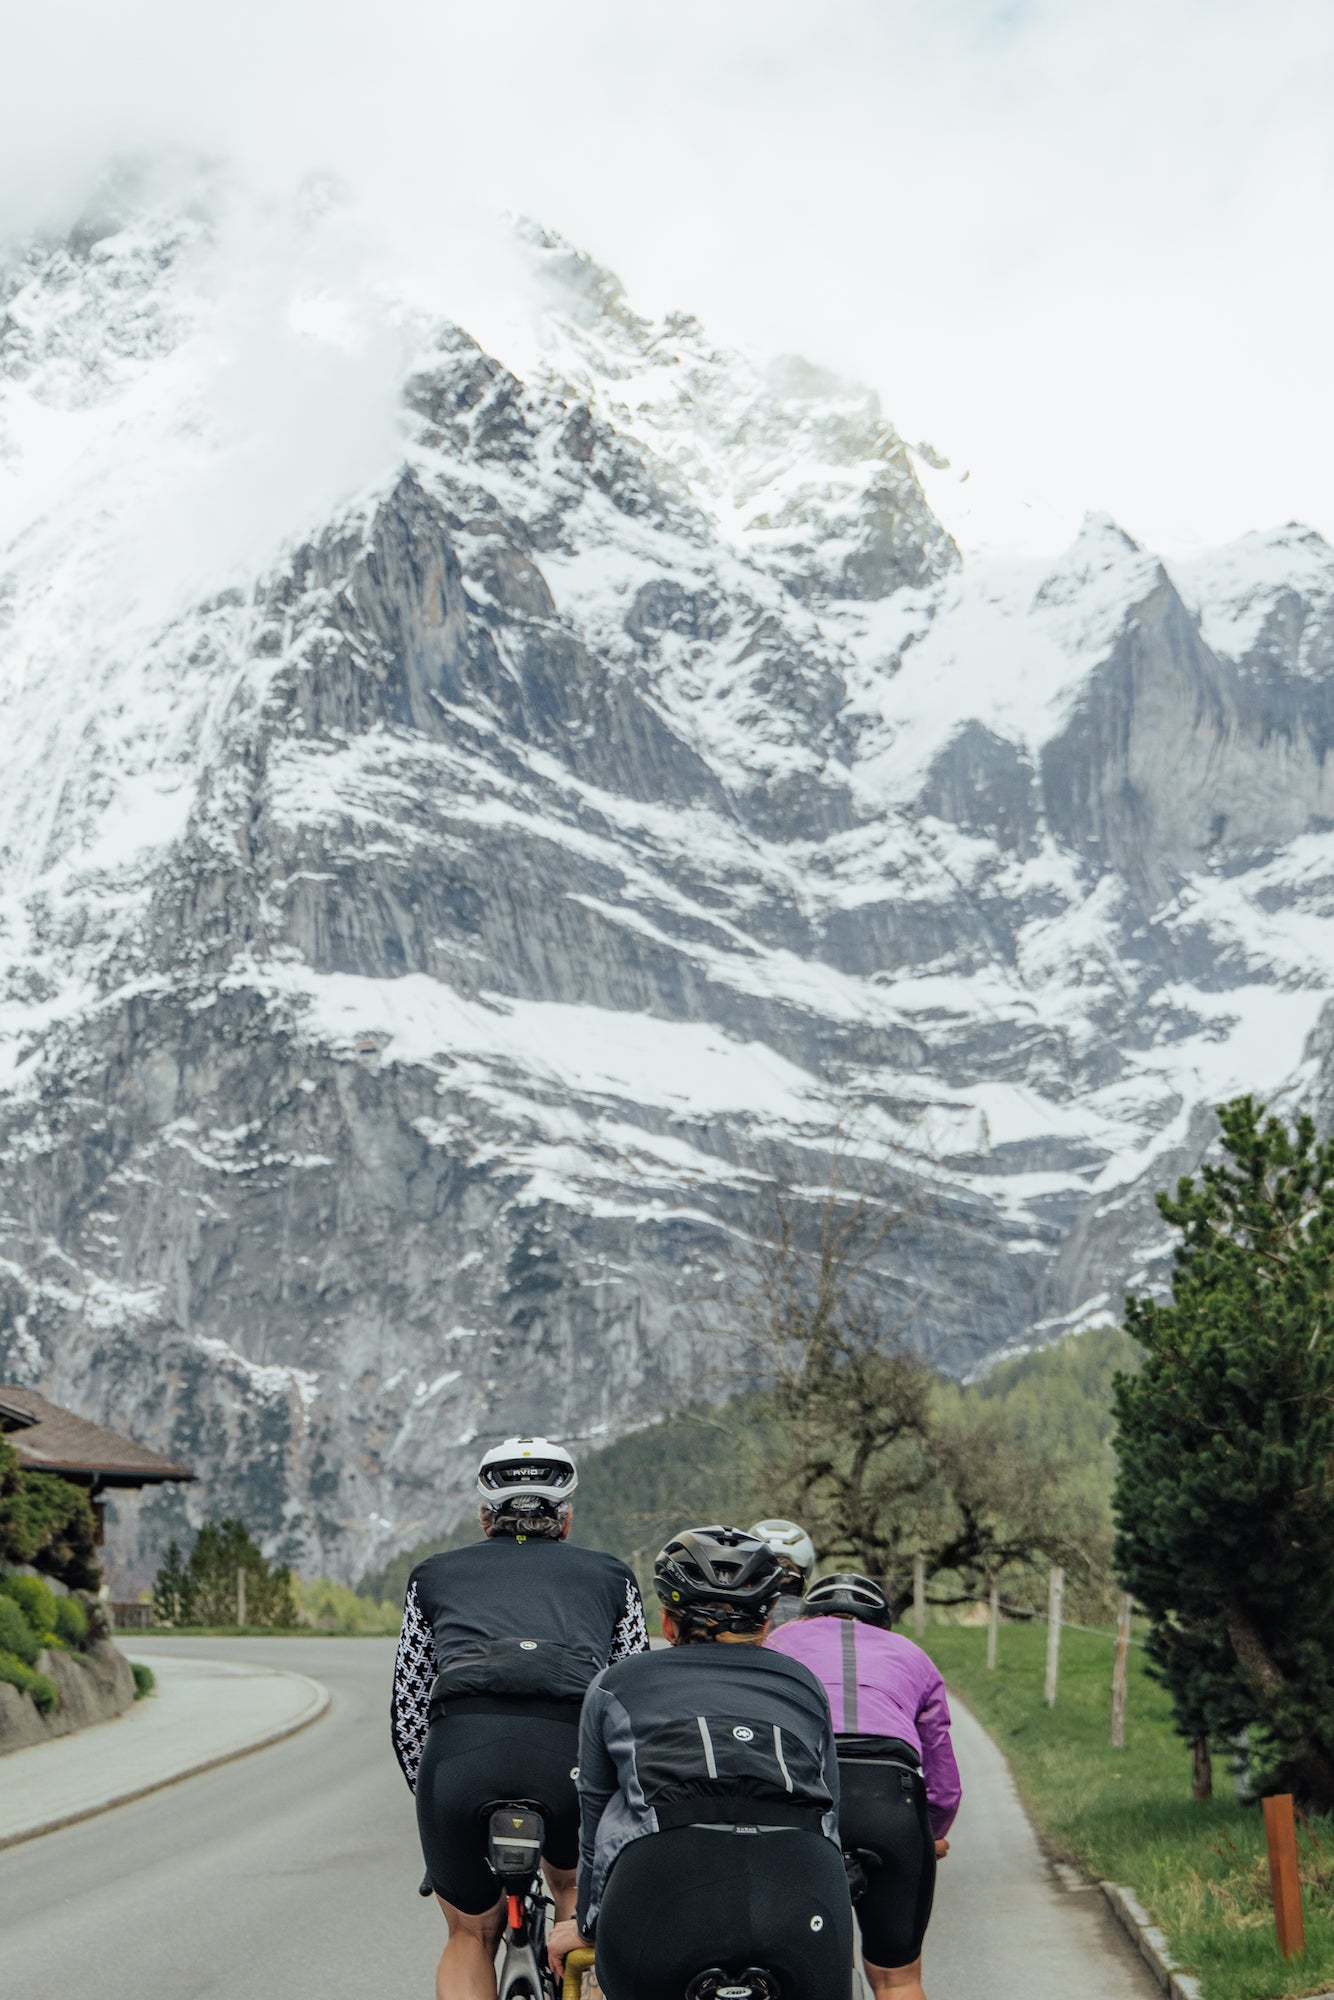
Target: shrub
<point x="72" y="1623"/>
<point x="16" y="1634"/>
<point x="48" y="1522"/>
<point x="35" y="1599"/>
<point x="43" y="1691"/>
<point x="145" y="1680"/>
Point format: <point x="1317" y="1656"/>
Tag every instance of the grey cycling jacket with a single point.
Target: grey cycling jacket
<point x="711" y="1734"/>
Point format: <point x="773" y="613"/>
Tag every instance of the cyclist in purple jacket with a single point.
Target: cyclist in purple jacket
<point x="899" y="1782"/>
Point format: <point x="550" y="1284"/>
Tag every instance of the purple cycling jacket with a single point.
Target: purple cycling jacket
<point x="880" y="1684"/>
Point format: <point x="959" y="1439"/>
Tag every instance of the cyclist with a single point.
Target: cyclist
<point x="899" y="1781"/>
<point x="708" y="1795"/>
<point x="499" y="1641"/>
<point x="796" y="1552"/>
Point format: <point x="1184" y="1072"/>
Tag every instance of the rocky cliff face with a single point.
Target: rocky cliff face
<point x="415" y="959"/>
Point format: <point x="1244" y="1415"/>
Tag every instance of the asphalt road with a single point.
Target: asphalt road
<point x="291" y="1875"/>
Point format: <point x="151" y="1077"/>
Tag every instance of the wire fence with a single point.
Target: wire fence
<point x="1026" y="1615"/>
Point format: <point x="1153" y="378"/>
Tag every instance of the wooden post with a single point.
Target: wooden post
<point x="1055" y="1599"/>
<point x="240" y="1596"/>
<point x="1281" y="1833"/>
<point x="1119" y="1663"/>
<point x="919" y="1597"/>
<point x="993" y="1628"/>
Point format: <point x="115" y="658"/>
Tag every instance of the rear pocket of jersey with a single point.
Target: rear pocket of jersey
<point x="728" y="1754"/>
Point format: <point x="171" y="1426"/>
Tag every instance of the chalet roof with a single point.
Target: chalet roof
<point x="49" y="1439"/>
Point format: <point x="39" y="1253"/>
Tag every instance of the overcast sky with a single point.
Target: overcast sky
<point x="1083" y="248"/>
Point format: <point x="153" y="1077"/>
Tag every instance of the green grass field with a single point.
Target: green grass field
<point x="1127" y="1815"/>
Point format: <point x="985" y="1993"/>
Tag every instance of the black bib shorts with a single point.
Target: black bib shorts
<point x="475" y="1757"/>
<point x="882" y="1808"/>
<point x="676" y="1903"/>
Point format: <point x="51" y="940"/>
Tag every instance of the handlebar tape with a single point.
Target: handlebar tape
<point x="577" y="1963"/>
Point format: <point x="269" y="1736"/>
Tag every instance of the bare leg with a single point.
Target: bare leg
<point x="467" y="1968"/>
<point x="562" y="1883"/>
<point x="903" y="1981"/>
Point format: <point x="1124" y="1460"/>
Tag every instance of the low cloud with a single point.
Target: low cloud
<point x="1079" y="245"/>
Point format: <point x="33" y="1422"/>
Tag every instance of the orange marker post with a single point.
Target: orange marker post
<point x="1281" y="1833"/>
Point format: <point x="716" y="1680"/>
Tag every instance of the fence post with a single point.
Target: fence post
<point x="993" y="1628"/>
<point x="1281" y="1834"/>
<point x="1119" y="1663"/>
<point x="1055" y="1598"/>
<point x="240" y="1596"/>
<point x="919" y="1597"/>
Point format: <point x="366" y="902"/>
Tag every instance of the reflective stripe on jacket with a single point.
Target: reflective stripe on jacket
<point x="708" y="1733"/>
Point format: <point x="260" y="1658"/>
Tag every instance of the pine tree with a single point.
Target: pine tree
<point x="1225" y="1488"/>
<point x="221" y="1549"/>
<point x="172" y="1593"/>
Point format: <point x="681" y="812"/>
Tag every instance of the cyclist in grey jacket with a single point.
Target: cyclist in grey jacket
<point x="708" y="1795"/>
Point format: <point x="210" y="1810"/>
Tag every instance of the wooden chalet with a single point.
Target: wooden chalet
<point x="49" y="1439"/>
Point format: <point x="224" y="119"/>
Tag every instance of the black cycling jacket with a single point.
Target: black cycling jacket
<point x="709" y="1734"/>
<point x="517" y="1618"/>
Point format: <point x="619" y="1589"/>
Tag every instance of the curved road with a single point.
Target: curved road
<point x="291" y="1875"/>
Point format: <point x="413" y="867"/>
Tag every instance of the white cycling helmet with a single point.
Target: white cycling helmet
<point x="786" y="1538"/>
<point x="526" y="1468"/>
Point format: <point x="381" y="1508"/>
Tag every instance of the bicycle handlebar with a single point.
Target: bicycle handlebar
<point x="577" y="1963"/>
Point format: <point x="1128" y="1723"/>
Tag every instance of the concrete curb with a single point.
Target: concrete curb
<point x="315" y="1708"/>
<point x="1154" y="1948"/>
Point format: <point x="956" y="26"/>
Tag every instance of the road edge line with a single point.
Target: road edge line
<point x="318" y="1707"/>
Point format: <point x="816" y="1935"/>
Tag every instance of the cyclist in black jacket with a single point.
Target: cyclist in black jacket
<point x="499" y="1642"/>
<point x="708" y="1795"/>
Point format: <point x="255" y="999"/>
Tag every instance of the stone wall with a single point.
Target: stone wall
<point x="95" y="1686"/>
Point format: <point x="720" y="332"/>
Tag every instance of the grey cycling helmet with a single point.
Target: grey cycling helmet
<point x="847" y="1595"/>
<point x="717" y="1579"/>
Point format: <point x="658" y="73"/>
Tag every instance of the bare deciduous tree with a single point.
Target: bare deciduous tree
<point x="866" y="1458"/>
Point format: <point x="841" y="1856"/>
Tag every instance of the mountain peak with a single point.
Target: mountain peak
<point x="595" y="789"/>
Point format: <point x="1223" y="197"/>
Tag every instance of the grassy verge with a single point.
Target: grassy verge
<point x="1127" y="1815"/>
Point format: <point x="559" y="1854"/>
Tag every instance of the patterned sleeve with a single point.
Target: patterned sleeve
<point x="630" y="1634"/>
<point x="414" y="1671"/>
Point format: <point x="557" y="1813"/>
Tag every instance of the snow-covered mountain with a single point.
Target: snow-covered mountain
<point x="429" y="918"/>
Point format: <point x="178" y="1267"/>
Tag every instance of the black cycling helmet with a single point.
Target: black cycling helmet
<point x="847" y="1595"/>
<point x="718" y="1579"/>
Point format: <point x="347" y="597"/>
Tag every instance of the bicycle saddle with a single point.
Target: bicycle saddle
<point x="861" y="1864"/>
<point x="755" y="1983"/>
